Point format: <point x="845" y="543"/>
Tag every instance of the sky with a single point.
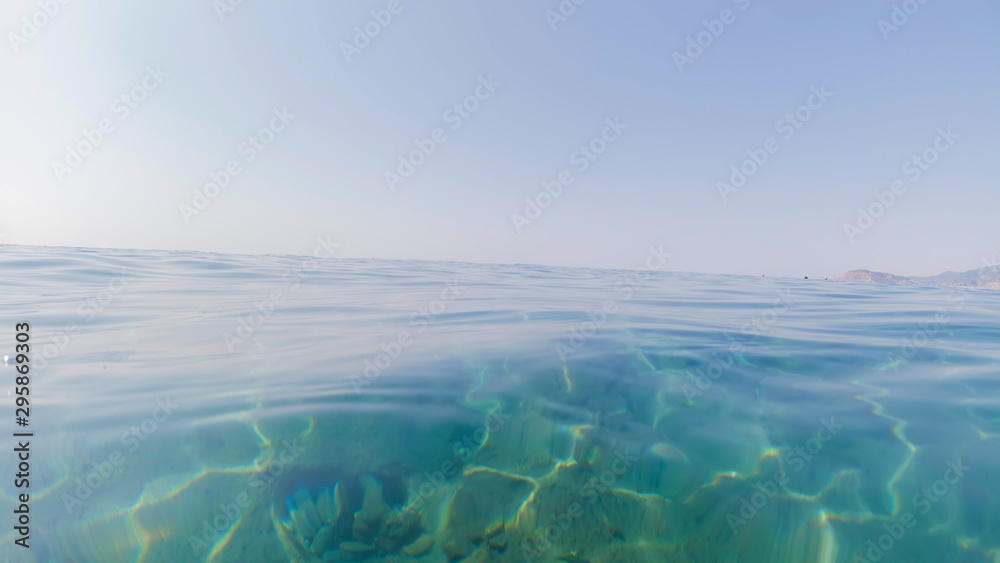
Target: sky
<point x="741" y="136"/>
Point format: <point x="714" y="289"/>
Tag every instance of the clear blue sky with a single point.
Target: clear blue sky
<point x="323" y="173"/>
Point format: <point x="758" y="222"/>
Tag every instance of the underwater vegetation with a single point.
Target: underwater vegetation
<point x="330" y="527"/>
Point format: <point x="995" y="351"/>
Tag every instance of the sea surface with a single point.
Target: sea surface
<point x="206" y="407"/>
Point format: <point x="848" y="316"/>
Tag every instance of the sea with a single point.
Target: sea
<point x="189" y="406"/>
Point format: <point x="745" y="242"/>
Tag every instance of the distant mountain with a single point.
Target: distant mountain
<point x="874" y="277"/>
<point x="983" y="278"/>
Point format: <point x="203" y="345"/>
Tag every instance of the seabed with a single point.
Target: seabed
<point x="588" y="469"/>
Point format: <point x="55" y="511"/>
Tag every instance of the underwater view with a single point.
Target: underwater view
<point x="207" y="407"/>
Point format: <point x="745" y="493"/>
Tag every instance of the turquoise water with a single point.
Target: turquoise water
<point x="206" y="407"/>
